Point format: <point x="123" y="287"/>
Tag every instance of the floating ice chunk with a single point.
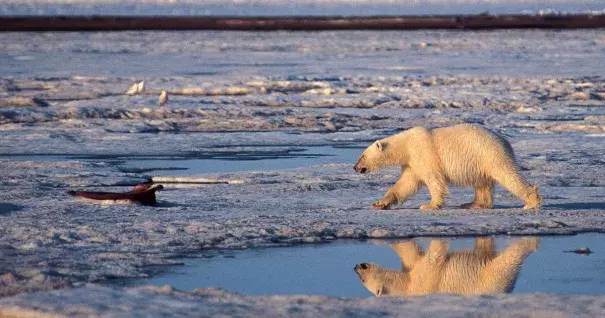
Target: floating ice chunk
<point x="578" y="96"/>
<point x="234" y="90"/>
<point x="320" y="91"/>
<point x="141" y="87"/>
<point x="22" y="102"/>
<point x="133" y="89"/>
<point x="522" y="109"/>
<point x="29" y="246"/>
<point x="577" y="127"/>
<point x="163" y="98"/>
<point x="136" y="88"/>
<point x="195" y="180"/>
<point x="594" y="118"/>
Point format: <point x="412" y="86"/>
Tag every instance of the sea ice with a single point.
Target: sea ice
<point x="261" y="97"/>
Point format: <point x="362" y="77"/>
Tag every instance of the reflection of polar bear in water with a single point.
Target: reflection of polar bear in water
<point x="481" y="271"/>
<point x="463" y="155"/>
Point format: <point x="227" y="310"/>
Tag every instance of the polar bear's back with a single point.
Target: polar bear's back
<point x="470" y="155"/>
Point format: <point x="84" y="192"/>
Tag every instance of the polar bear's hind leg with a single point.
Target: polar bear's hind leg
<point x="509" y="178"/>
<point x="484" y="197"/>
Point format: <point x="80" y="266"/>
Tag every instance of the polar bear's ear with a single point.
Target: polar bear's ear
<point x="382" y="145"/>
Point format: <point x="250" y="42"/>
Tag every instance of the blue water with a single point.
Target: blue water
<point x="327" y="269"/>
<point x="215" y="161"/>
<point x="247" y="162"/>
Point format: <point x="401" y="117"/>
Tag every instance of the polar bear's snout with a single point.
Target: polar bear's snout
<point x="360" y="167"/>
<point x="361" y="266"/>
<point x="364" y="269"/>
<point x="360" y="270"/>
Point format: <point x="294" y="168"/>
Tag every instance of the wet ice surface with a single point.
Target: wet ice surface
<point x="540" y="89"/>
<point x="328" y="269"/>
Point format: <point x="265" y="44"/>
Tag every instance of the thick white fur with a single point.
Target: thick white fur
<point x="461" y="155"/>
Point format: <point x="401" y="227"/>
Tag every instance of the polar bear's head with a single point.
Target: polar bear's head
<point x="367" y="275"/>
<point x="373" y="158"/>
<point x="380" y="281"/>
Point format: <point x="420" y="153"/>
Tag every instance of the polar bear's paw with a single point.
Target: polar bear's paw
<point x="474" y="205"/>
<point x="429" y="207"/>
<point x="533" y="200"/>
<point x="382" y="204"/>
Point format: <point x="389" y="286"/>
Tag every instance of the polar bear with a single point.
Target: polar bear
<point x="462" y="155"/>
<point x="481" y="271"/>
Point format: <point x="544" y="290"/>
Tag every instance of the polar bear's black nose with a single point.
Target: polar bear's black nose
<point x="360" y="169"/>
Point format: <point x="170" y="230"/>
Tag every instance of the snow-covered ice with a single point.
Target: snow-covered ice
<point x="95" y="301"/>
<point x="268" y="96"/>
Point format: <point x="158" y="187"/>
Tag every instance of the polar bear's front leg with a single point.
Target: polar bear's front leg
<point x="404" y="188"/>
<point x="437" y="189"/>
<point x="425" y="275"/>
<point x="409" y="253"/>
